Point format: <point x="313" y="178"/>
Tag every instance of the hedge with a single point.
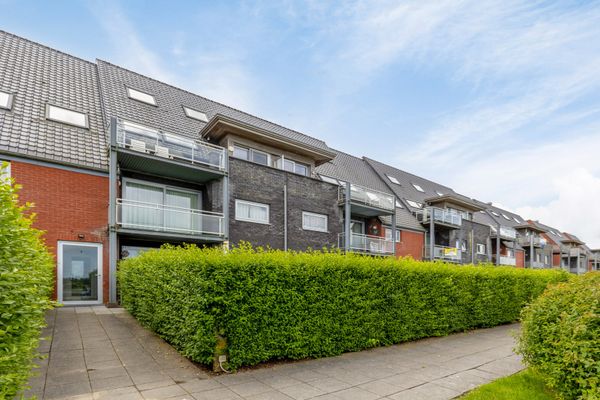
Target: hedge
<point x="560" y="337"/>
<point x="275" y="305"/>
<point x="26" y="282"/>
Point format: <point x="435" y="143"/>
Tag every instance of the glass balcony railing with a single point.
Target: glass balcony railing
<point x="369" y="197"/>
<point x="505" y="260"/>
<point x="150" y="141"/>
<point x="445" y="253"/>
<point x="439" y="215"/>
<point x="535" y="240"/>
<point x="505" y="232"/>
<point x="139" y="215"/>
<point x="366" y="244"/>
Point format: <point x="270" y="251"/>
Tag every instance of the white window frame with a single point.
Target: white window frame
<point x="251" y="151"/>
<point x="141" y="96"/>
<point x="251" y="203"/>
<point x="164" y="188"/>
<point x="439" y="193"/>
<point x="9" y="100"/>
<point x="393" y="179"/>
<point x="387" y="228"/>
<point x="86" y="123"/>
<point x="481" y="246"/>
<point x="311" y="214"/>
<point x="59" y="273"/>
<point x="195" y="114"/>
<point x="418" y="187"/>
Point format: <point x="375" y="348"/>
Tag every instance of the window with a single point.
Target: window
<point x="398" y="204"/>
<point x="495" y="213"/>
<point x="393" y="179"/>
<point x="419" y="188"/>
<point x="546" y="259"/>
<point x="195" y="114"/>
<point x="6" y="100"/>
<point x="314" y="222"/>
<point x="4" y="171"/>
<point x="461" y="245"/>
<point x="251" y="212"/>
<point x="506" y="217"/>
<point x="558" y="234"/>
<point x="481" y="248"/>
<point x="439" y="193"/>
<point x="388" y="233"/>
<point x="328" y="179"/>
<point x="414" y="204"/>
<point x="259" y="157"/>
<point x="295" y="167"/>
<point x="66" y="116"/>
<point x="141" y="96"/>
<point x="517" y="220"/>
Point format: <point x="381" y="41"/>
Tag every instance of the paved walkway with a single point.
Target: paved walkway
<point x="99" y="353"/>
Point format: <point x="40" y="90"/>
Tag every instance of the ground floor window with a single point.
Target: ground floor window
<point x="314" y="222"/>
<point x="79" y="272"/>
<point x="251" y="212"/>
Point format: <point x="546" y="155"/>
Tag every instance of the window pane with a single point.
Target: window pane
<point x="141" y="96"/>
<point x="252" y="212"/>
<point x="200" y="116"/>
<point x="79" y="273"/>
<point x="180" y="218"/>
<point x="5" y="100"/>
<point x="288" y="165"/>
<point x="240" y="152"/>
<point x="314" y="222"/>
<point x="302" y="169"/>
<point x="142" y="210"/>
<point x="67" y="116"/>
<point x="260" y="158"/>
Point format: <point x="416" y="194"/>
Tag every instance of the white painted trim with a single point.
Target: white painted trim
<point x="59" y="273"/>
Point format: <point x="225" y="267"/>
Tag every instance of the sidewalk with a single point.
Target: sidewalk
<point x="100" y="353"/>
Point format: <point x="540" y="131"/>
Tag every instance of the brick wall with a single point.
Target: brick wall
<point x="411" y="244"/>
<point x="520" y="256"/>
<point x="68" y="205"/>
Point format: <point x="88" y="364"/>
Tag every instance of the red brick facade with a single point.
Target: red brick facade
<point x="520" y="256"/>
<point x="411" y="244"/>
<point x="70" y="206"/>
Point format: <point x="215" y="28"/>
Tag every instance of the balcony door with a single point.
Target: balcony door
<point x="160" y="207"/>
<point x="79" y="273"/>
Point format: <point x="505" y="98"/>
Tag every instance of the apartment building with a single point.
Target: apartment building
<point x="595" y="260"/>
<point x="368" y="208"/>
<point x="451" y="233"/>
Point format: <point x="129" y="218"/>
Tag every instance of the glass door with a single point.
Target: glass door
<point x="181" y="217"/>
<point x="79" y="273"/>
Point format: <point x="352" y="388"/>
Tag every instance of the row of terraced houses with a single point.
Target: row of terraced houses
<point x="117" y="162"/>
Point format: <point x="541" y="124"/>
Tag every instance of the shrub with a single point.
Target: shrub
<point x="561" y="337"/>
<point x="26" y="281"/>
<point x="273" y="304"/>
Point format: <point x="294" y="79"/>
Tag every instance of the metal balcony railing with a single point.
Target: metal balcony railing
<point x="505" y="260"/>
<point x="505" y="232"/>
<point x="536" y="264"/>
<point x="366" y="244"/>
<point x="440" y="215"/>
<point x="446" y="253"/>
<point x="139" y="215"/>
<point x="149" y="141"/>
<point x="369" y="197"/>
<point x="535" y="240"/>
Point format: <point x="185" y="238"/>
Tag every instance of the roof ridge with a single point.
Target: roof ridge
<point x="410" y="173"/>
<point x="206" y="98"/>
<point x="46" y="47"/>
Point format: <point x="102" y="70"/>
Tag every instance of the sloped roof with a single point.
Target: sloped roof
<point x="552" y="233"/>
<point x="501" y="216"/>
<point x="38" y="75"/>
<point x="355" y="170"/>
<point x="168" y="115"/>
<point x="405" y="189"/>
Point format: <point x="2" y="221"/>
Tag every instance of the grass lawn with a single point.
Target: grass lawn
<point x="525" y="385"/>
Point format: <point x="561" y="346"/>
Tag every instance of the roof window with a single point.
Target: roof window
<point x="141" y="96"/>
<point x="195" y="114"/>
<point x="393" y="179"/>
<point x="66" y="116"/>
<point x="506" y="217"/>
<point x="414" y="204"/>
<point x="419" y="188"/>
<point x="6" y="100"/>
<point x="495" y="213"/>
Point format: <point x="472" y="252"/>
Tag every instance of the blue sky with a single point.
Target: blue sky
<point x="498" y="99"/>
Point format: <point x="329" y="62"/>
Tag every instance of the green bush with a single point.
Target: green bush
<point x="561" y="337"/>
<point x="274" y="305"/>
<point x="26" y="282"/>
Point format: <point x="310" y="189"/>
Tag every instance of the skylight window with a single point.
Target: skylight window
<point x="66" y="116"/>
<point x="393" y="179"/>
<point x="495" y="213"/>
<point x="506" y="217"/>
<point x="517" y="220"/>
<point x="328" y="179"/>
<point x="141" y="96"/>
<point x="558" y="234"/>
<point x="419" y="188"/>
<point x="6" y="100"/>
<point x="439" y="193"/>
<point x="398" y="204"/>
<point x="195" y="114"/>
<point x="414" y="204"/>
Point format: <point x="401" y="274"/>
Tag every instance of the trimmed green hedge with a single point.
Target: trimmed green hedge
<point x="560" y="337"/>
<point x="273" y="305"/>
<point x="26" y="282"/>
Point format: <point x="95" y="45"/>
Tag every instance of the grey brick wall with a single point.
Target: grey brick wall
<point x="480" y="235"/>
<point x="253" y="182"/>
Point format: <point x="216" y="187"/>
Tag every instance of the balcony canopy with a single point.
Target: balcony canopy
<point x="456" y="200"/>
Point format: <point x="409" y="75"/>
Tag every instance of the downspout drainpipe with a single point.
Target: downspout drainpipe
<point x="531" y="251"/>
<point x="431" y="235"/>
<point x="472" y="245"/>
<point x="347" y="216"/>
<point x="285" y="218"/>
<point x="225" y="183"/>
<point x="498" y="245"/>
<point x="112" y="214"/>
<point x="394" y="229"/>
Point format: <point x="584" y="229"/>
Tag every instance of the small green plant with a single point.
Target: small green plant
<point x="26" y="282"/>
<point x="525" y="385"/>
<point x="277" y="305"/>
<point x="560" y="337"/>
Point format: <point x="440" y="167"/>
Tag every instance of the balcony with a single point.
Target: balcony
<point x="505" y="260"/>
<point x="527" y="241"/>
<point x="368" y="202"/>
<point x="163" y="154"/>
<point x="366" y="244"/>
<point x="451" y="254"/>
<point x="535" y="264"/>
<point x="440" y="216"/>
<point x="174" y="221"/>
<point x="506" y="232"/>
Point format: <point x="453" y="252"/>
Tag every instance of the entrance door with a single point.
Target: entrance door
<point x="79" y="273"/>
